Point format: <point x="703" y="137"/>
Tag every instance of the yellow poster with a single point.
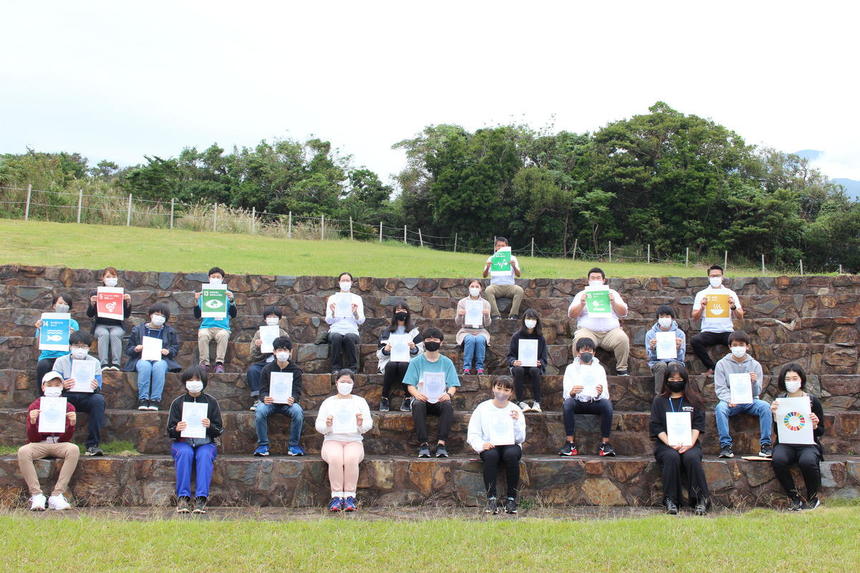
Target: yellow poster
<point x="718" y="306"/>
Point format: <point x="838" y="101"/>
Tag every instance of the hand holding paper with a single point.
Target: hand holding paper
<point x="151" y="349"/>
<point x="433" y="386"/>
<point x="193" y="414"/>
<point x="83" y="373"/>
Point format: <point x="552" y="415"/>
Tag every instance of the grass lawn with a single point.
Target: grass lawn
<point x="760" y="540"/>
<point x="144" y="249"/>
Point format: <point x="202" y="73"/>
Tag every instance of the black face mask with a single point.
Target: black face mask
<point x="401" y="316"/>
<point x="676" y="386"/>
<point x="432" y="346"/>
<point x="586" y="357"/>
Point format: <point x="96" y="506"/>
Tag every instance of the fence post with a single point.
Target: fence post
<point x="322" y="227"/>
<point x="687" y="258"/>
<point x="380" y="231"/>
<point x="762" y="262"/>
<point x="128" y="215"/>
<point x="81" y="200"/>
<point x="801" y="267"/>
<point x="840" y="268"/>
<point x="290" y="226"/>
<point x="455" y="243"/>
<point x="420" y="238"/>
<point x="649" y="254"/>
<point x="610" y="251"/>
<point x="533" y="247"/>
<point x="404" y="235"/>
<point x="215" y="218"/>
<point x="350" y="229"/>
<point x="725" y="259"/>
<point x="27" y="207"/>
<point x="575" y="244"/>
<point x="253" y="217"/>
<point x="172" y="200"/>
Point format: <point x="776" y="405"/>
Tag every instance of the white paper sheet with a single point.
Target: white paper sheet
<point x="151" y="349"/>
<point x="399" y="347"/>
<point x="501" y="427"/>
<point x="281" y="386"/>
<point x="193" y="414"/>
<point x="474" y="314"/>
<point x="741" y="388"/>
<point x="666" y="349"/>
<point x="52" y="415"/>
<point x="268" y="334"/>
<point x="83" y="373"/>
<point x="679" y="428"/>
<point x="794" y="421"/>
<point x="343" y="305"/>
<point x="344" y="417"/>
<point x="528" y="352"/>
<point x="433" y="386"/>
<point x="589" y="385"/>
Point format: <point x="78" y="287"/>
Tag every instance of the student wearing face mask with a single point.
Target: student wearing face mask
<point x="342" y="447"/>
<point x="40" y="446"/>
<point x="196" y="453"/>
<point x="217" y="329"/>
<point x="393" y="372"/>
<point x="717" y="327"/>
<point x="792" y="384"/>
<point x="530" y="330"/>
<point x="271" y="317"/>
<point x="504" y="285"/>
<point x="738" y="361"/>
<point x="108" y="332"/>
<point x="151" y="373"/>
<point x="61" y="303"/>
<point x="606" y="332"/>
<point x="282" y="363"/>
<point x="473" y="338"/>
<point x="678" y="395"/>
<point x="480" y="437"/>
<point x="665" y="323"/>
<point x="92" y="401"/>
<point x="585" y="390"/>
<point x="343" y="330"/>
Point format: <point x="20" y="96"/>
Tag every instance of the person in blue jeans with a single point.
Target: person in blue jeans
<point x="151" y="373"/>
<point x="197" y="453"/>
<point x="272" y="317"/>
<point x="473" y="335"/>
<point x="282" y="363"/>
<point x="740" y="362"/>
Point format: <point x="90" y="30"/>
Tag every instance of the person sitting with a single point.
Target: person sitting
<point x="60" y="304"/>
<point x="343" y="321"/>
<point x="530" y="330"/>
<point x="665" y="323"/>
<point x="87" y="396"/>
<point x="503" y="284"/>
<point x="606" y="332"/>
<point x="217" y="329"/>
<point x="474" y="337"/>
<point x="271" y="317"/>
<point x="151" y="374"/>
<point x="394" y="370"/>
<point x="283" y="363"/>
<point x="108" y="332"/>
<point x="717" y="322"/>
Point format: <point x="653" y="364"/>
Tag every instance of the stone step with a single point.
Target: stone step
<point x="393" y="432"/>
<point x="389" y="480"/>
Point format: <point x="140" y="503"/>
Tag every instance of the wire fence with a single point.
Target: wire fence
<point x="114" y="209"/>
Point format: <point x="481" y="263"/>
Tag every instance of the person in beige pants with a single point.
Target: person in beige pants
<point x="504" y="285"/>
<point x="606" y="332"/>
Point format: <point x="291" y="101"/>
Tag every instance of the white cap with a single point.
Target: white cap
<point x="51" y="375"/>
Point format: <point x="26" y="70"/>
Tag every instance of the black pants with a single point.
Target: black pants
<point x="344" y="351"/>
<point x="94" y="406"/>
<point x="394" y="373"/>
<point x="807" y="458"/>
<point x="703" y="340"/>
<point x="602" y="408"/>
<point x="445" y="411"/>
<point x="520" y="374"/>
<point x="508" y="455"/>
<point x="672" y="464"/>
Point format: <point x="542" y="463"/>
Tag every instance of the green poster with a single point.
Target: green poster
<point x="597" y="302"/>
<point x="213" y="301"/>
<point x="500" y="263"/>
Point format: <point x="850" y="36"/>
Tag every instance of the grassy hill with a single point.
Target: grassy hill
<point x="145" y="249"/>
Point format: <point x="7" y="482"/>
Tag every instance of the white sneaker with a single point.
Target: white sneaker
<point x="524" y="407"/>
<point x="58" y="502"/>
<point x="37" y="502"/>
<point x="536" y="407"/>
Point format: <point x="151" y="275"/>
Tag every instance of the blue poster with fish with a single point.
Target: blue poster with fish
<point x="55" y="330"/>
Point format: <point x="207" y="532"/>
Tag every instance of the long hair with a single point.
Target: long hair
<point x="691" y="391"/>
<point x="533" y="314"/>
<point x="408" y="326"/>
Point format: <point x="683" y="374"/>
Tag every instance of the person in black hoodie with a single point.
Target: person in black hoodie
<point x="792" y="384"/>
<point x="197" y="452"/>
<point x="393" y="372"/>
<point x="530" y="330"/>
<point x="678" y="395"/>
<point x="109" y="331"/>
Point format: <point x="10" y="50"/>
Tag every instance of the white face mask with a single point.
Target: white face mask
<point x="344" y="388"/>
<point x="596" y="283"/>
<point x="157" y="319"/>
<point x="80" y="353"/>
<point x="739" y="351"/>
<point x="474" y="291"/>
<point x="282" y="356"/>
<point x="664" y="322"/>
<point x="792" y="386"/>
<point x="62" y="308"/>
<point x="111" y="281"/>
<point x="194" y="386"/>
<point x="530" y="323"/>
<point x="716" y="282"/>
<point x="273" y="320"/>
<point x="345" y="286"/>
<point x="215" y="281"/>
<point x="53" y="391"/>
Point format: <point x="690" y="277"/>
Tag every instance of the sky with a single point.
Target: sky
<point x="120" y="80"/>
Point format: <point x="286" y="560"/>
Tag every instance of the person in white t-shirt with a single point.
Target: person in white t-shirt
<point x="717" y="322"/>
<point x="504" y="285"/>
<point x="606" y="332"/>
<point x="343" y="324"/>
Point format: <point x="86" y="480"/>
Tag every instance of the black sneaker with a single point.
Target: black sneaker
<point x="199" y="505"/>
<point x="622" y="373"/>
<point x="511" y="505"/>
<point x="766" y="451"/>
<point x="423" y="451"/>
<point x="492" y="506"/>
<point x="496" y="317"/>
<point x="795" y="504"/>
<point x="726" y="452"/>
<point x="514" y="317"/>
<point x="671" y="507"/>
<point x="94" y="451"/>
<point x="406" y="406"/>
<point x="143" y="404"/>
<point x="568" y="449"/>
<point x="702" y="508"/>
<point x="606" y="450"/>
<point x="384" y="406"/>
<point x="812" y="503"/>
<point x="441" y="451"/>
<point x="182" y="504"/>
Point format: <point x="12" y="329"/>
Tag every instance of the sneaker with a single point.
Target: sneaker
<point x="143" y="404"/>
<point x="296" y="451"/>
<point x="812" y="503"/>
<point x="58" y="502"/>
<point x="219" y="368"/>
<point x="511" y="505"/>
<point x="466" y="371"/>
<point x="199" y="505"/>
<point x="183" y="504"/>
<point x="205" y="366"/>
<point x="480" y="371"/>
<point x="349" y="504"/>
<point x="524" y="407"/>
<point x="441" y="451"/>
<point x="423" y="451"/>
<point x="536" y="407"/>
<point x="795" y="504"/>
<point x="568" y="449"/>
<point x="37" y="502"/>
<point x="492" y="506"/>
<point x="606" y="450"/>
<point x="726" y="452"/>
<point x="622" y="373"/>
<point x="766" y="451"/>
<point x="406" y="406"/>
<point x="262" y="451"/>
<point x="671" y="507"/>
<point x="153" y="405"/>
<point x="513" y="317"/>
<point x="253" y="407"/>
<point x="496" y="317"/>
<point x="94" y="451"/>
<point x="384" y="405"/>
<point x="701" y="508"/>
<point x="336" y="504"/>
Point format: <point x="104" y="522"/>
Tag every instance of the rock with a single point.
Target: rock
<point x="601" y="491"/>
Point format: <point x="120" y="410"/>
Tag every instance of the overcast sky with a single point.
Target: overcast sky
<point x="118" y="80"/>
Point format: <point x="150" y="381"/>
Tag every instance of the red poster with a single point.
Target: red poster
<point x="109" y="303"/>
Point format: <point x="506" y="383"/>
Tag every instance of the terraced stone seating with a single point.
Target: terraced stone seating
<point x="811" y="320"/>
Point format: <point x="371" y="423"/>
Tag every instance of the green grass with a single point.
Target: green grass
<point x="761" y="540"/>
<point x="143" y="249"/>
<point x="118" y="448"/>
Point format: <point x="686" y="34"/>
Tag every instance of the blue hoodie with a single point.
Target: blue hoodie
<point x="652" y="353"/>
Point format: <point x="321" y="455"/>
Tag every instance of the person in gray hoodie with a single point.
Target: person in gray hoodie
<point x="665" y="323"/>
<point x="740" y="362"/>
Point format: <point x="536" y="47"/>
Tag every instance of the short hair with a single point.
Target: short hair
<point x="584" y="343"/>
<point x="345" y="372"/>
<point x="505" y="382"/>
<point x="791" y="367"/>
<point x="79" y="337"/>
<point x="111" y="270"/>
<point x="347" y="274"/>
<point x="194" y="372"/>
<point x="65" y="296"/>
<point x="282" y="342"/>
<point x="665" y="309"/>
<point x="218" y="270"/>
<point x="597" y="270"/>
<point x="502" y="240"/>
<point x="480" y="284"/>
<point x="433" y="332"/>
<point x="739" y="336"/>
<point x="715" y="268"/>
<point x="272" y="310"/>
<point x="161" y="308"/>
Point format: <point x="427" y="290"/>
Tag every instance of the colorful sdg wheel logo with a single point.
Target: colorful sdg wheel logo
<point x="794" y="421"/>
